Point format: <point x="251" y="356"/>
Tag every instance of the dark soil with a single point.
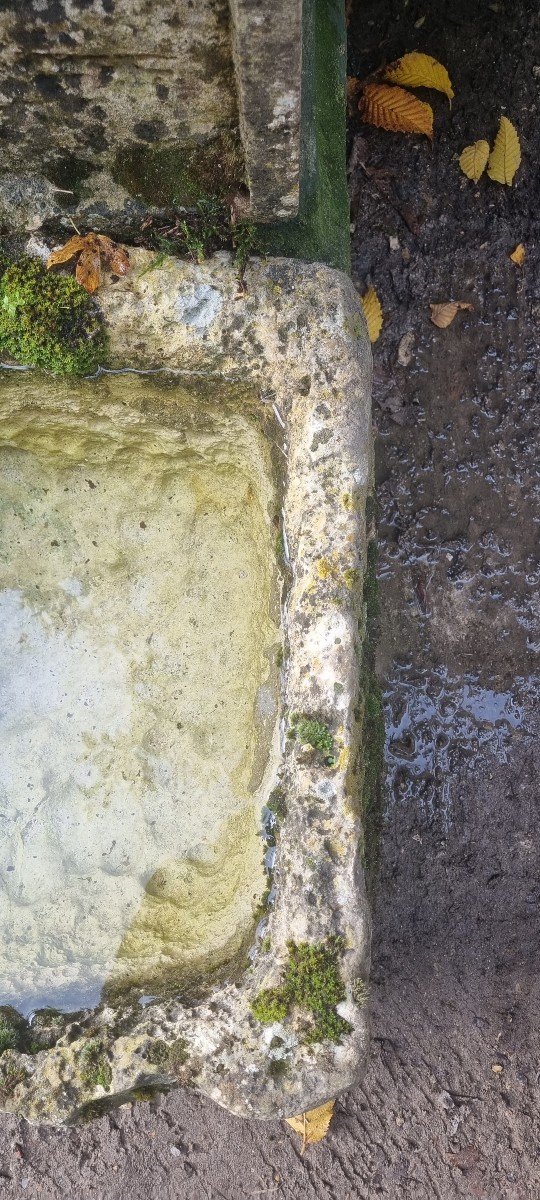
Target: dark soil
<point x="450" y="1104"/>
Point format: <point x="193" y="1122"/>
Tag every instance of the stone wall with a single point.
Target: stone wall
<point x="128" y="105"/>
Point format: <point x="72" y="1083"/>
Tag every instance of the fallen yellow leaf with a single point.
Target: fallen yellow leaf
<point x="473" y="159"/>
<point x="505" y="157"/>
<point x="420" y="70"/>
<point x="373" y="313"/>
<point x="395" y="109"/>
<point x="312" y="1125"/>
<point x="442" y="315"/>
<point x="518" y="255"/>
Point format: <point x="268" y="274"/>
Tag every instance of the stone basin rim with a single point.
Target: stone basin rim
<point x="296" y="333"/>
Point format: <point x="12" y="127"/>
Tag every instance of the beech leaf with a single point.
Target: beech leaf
<point x="419" y="70"/>
<point x="505" y="157"/>
<point x="442" y="315"/>
<point x="518" y="255"/>
<point x="373" y="313"/>
<point x="312" y="1125"/>
<point x="395" y="109"/>
<point x="473" y="159"/>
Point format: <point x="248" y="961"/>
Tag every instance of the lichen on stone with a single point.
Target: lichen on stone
<point x="48" y="320"/>
<point x="313" y="984"/>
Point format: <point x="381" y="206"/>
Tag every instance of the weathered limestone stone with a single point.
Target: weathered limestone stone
<point x="295" y="336"/>
<point x="138" y="642"/>
<point x="128" y="105"/>
<point x="267" y="42"/>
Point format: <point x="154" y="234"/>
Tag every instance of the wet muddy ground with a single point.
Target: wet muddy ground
<point x="450" y="1104"/>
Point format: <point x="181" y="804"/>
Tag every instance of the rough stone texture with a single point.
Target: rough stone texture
<point x="297" y="334"/>
<point x="267" y="43"/>
<point x="114" y="102"/>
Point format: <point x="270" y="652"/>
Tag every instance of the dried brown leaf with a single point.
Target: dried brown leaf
<point x="442" y="315"/>
<point x="64" y="253"/>
<point x="119" y="261"/>
<point x="93" y="249"/>
<point x="419" y="70"/>
<point x="505" y="157"/>
<point x="373" y="313"/>
<point x="473" y="159"/>
<point x="313" y="1125"/>
<point x="395" y="109"/>
<point x="104" y="244"/>
<point x="87" y="271"/>
<point x="518" y="255"/>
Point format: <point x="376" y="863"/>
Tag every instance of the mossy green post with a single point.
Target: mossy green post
<point x="320" y="233"/>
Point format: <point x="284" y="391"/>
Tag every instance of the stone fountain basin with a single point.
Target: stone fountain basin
<point x="163" y="674"/>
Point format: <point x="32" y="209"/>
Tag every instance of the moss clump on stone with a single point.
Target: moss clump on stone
<point x="277" y="804"/>
<point x="167" y="1054"/>
<point x="205" y="229"/>
<point x="178" y="1053"/>
<point x="11" y="1075"/>
<point x="312" y="732"/>
<point x="313" y="983"/>
<point x="278" y="1068"/>
<point x="95" y="1066"/>
<point x="270" y="1006"/>
<point x="47" y="1026"/>
<point x="179" y="176"/>
<point x="8" y="1035"/>
<point x="14" y="1030"/>
<point x="48" y="320"/>
<point x="158" y="1053"/>
<point x="145" y="1093"/>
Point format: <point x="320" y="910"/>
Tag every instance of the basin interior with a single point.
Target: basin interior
<point x="139" y="650"/>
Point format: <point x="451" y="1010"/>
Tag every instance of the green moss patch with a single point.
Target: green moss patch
<point x="312" y="983"/>
<point x="94" y="1065"/>
<point x="311" y="731"/>
<point x="8" y="1035"/>
<point x="48" y="320"/>
<point x="11" y="1075"/>
<point x="178" y="176"/>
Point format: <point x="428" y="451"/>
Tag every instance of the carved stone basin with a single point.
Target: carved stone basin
<point x="183" y="546"/>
